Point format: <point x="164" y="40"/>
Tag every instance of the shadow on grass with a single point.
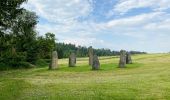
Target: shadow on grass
<point x="134" y="65"/>
<point x="103" y="67"/>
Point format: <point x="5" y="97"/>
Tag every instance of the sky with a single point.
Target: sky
<point x="141" y="25"/>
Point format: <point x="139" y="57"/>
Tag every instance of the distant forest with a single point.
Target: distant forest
<point x="64" y="51"/>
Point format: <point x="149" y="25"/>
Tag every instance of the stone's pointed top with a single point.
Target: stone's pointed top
<point x="90" y="47"/>
<point x="96" y="63"/>
<point x="55" y="54"/>
<point x="123" y="50"/>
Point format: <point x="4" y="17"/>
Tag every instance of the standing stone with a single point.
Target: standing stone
<point x="96" y="63"/>
<point x="122" y="61"/>
<point x="54" y="61"/>
<point x="90" y="55"/>
<point x="128" y="58"/>
<point x="72" y="60"/>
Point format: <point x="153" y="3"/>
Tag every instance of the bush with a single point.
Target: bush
<point x="25" y="65"/>
<point x="14" y="61"/>
<point x="3" y="66"/>
<point x="47" y="60"/>
<point x="42" y="63"/>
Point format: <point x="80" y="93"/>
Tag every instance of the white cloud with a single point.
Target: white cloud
<point x="137" y="20"/>
<point x="162" y="26"/>
<point x="126" y="5"/>
<point x="140" y="26"/>
<point x="60" y="11"/>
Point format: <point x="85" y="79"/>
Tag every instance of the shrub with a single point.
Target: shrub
<point x="41" y="63"/>
<point x="14" y="61"/>
<point x="3" y="66"/>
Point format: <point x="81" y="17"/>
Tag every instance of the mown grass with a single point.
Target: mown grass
<point x="148" y="78"/>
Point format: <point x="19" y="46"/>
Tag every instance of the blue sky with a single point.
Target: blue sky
<point x="142" y="25"/>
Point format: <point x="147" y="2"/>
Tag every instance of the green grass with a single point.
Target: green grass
<point x="148" y="78"/>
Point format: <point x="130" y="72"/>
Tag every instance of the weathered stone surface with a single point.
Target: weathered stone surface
<point x="72" y="60"/>
<point x="90" y="55"/>
<point x="54" y="61"/>
<point x="128" y="58"/>
<point x="122" y="61"/>
<point x="96" y="63"/>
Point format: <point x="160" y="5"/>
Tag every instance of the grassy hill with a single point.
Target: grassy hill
<point x="148" y="79"/>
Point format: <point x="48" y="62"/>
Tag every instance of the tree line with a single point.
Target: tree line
<point x="64" y="50"/>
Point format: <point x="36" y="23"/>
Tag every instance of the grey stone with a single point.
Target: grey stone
<point x="122" y="61"/>
<point x="72" y="60"/>
<point x="96" y="63"/>
<point x="90" y="55"/>
<point x="128" y="58"/>
<point x="54" y="61"/>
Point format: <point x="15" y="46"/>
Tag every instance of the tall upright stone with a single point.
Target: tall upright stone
<point x="72" y="60"/>
<point x="122" y="61"/>
<point x="128" y="58"/>
<point x="96" y="63"/>
<point x="54" y="61"/>
<point x="90" y="53"/>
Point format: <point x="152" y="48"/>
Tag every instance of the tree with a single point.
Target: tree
<point x="64" y="51"/>
<point x="50" y="37"/>
<point x="9" y="9"/>
<point x="20" y="41"/>
<point x="24" y="35"/>
<point x="46" y="45"/>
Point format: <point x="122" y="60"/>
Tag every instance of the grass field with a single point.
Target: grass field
<point x="148" y="78"/>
